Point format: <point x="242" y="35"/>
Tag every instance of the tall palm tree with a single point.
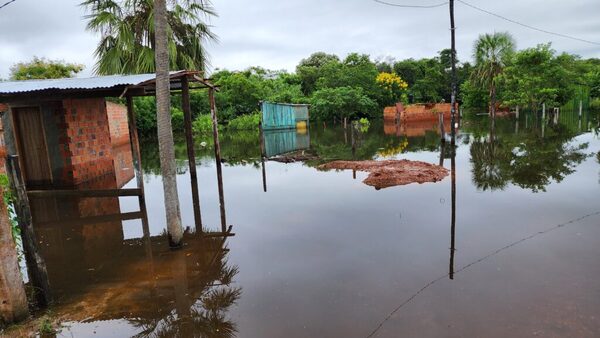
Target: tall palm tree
<point x="491" y="53"/>
<point x="127" y="34"/>
<point x="165" y="132"/>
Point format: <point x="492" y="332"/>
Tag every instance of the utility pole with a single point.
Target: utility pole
<point x="453" y="75"/>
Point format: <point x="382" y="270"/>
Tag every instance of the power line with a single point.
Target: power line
<point x="410" y="6"/>
<point x="491" y="254"/>
<point x="7" y="3"/>
<point x="526" y="25"/>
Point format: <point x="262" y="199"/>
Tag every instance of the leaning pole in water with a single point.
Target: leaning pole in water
<point x="13" y="301"/>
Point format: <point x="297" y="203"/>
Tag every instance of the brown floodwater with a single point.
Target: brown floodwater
<point x="507" y="245"/>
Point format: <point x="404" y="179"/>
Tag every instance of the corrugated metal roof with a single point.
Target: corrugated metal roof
<point x="99" y="82"/>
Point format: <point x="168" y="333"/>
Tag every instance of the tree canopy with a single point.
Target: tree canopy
<point x="41" y="68"/>
<point x="127" y="34"/>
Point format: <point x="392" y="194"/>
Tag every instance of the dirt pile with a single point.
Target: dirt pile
<point x="384" y="174"/>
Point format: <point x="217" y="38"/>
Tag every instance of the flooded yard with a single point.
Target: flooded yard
<point x="321" y="254"/>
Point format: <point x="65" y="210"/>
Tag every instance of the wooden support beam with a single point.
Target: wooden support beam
<point x="85" y="193"/>
<point x="187" y="115"/>
<point x="213" y="113"/>
<point x="35" y="263"/>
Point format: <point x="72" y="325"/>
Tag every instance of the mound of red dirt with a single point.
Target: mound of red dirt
<point x="384" y="174"/>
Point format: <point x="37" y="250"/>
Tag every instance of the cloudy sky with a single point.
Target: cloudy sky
<point x="276" y="34"/>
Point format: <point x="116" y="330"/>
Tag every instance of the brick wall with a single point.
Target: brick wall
<point x="117" y="123"/>
<point x="85" y="142"/>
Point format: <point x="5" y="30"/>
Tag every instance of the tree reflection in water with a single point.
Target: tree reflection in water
<point x="526" y="159"/>
<point x="206" y="317"/>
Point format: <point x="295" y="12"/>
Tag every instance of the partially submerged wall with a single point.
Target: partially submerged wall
<point x="426" y="112"/>
<point x="86" y="139"/>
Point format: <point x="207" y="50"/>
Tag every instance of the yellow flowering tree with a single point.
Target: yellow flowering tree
<point x="392" y="86"/>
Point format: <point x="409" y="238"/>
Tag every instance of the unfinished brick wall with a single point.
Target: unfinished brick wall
<point x="85" y="143"/>
<point x="117" y="123"/>
<point x="425" y="112"/>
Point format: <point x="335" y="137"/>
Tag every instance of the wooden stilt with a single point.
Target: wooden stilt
<point x="213" y="113"/>
<point x="263" y="156"/>
<point x="135" y="151"/>
<point x="35" y="263"/>
<point x="187" y="115"/>
<point x="442" y="132"/>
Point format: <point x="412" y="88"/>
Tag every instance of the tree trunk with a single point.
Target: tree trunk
<point x="493" y="101"/>
<point x="13" y="302"/>
<point x="165" y="133"/>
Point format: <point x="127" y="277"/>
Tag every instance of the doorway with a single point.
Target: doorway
<point x="31" y="143"/>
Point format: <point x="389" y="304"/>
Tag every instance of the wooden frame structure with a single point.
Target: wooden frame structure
<point x="181" y="82"/>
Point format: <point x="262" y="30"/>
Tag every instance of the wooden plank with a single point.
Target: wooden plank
<point x="187" y="114"/>
<point x="86" y="193"/>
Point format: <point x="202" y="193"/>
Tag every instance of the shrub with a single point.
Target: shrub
<point x="245" y="122"/>
<point x="202" y="124"/>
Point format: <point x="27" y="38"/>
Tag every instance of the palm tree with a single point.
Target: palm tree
<point x="491" y="53"/>
<point x="165" y="132"/>
<point x="127" y="34"/>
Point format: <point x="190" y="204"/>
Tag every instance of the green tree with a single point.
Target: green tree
<point x="128" y="34"/>
<point x="491" y="53"/>
<point x="330" y="103"/>
<point x="309" y="70"/>
<point x="41" y="68"/>
<point x="536" y="76"/>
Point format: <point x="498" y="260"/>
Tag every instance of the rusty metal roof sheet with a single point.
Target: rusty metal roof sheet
<point x="90" y="83"/>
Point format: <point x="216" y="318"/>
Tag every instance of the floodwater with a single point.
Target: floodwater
<point x="513" y="252"/>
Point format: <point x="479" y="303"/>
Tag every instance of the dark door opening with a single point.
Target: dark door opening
<point x="31" y="142"/>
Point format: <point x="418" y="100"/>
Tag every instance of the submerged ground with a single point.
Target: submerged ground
<point x="320" y="254"/>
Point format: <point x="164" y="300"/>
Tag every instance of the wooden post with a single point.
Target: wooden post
<point x="135" y="151"/>
<point x="35" y="263"/>
<point x="213" y="113"/>
<point x="543" y="111"/>
<point x="441" y="122"/>
<point x="13" y="301"/>
<point x="187" y="116"/>
<point x="263" y="156"/>
<point x="453" y="75"/>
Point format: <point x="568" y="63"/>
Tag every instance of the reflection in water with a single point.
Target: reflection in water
<point x="453" y="216"/>
<point x="527" y="159"/>
<point x="97" y="275"/>
<point x="302" y="245"/>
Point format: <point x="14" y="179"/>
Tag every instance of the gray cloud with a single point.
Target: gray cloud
<point x="276" y="34"/>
